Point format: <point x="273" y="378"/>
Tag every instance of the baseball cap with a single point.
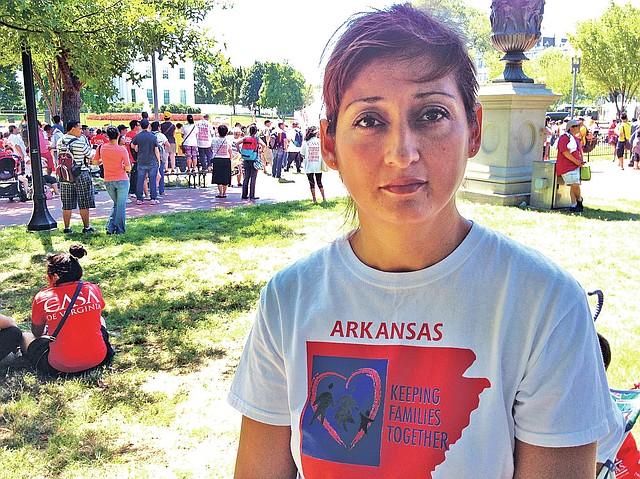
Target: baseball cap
<point x="144" y="123"/>
<point x="167" y="115"/>
<point x="571" y="123"/>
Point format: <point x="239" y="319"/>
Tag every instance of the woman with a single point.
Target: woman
<point x="221" y="161"/>
<point x="10" y="337"/>
<point x="250" y="148"/>
<point x="190" y="144"/>
<point x="82" y="344"/>
<point x="312" y="161"/>
<point x="116" y="164"/>
<point x="419" y="315"/>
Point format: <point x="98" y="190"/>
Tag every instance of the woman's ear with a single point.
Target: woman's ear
<point x="475" y="137"/>
<point x="328" y="145"/>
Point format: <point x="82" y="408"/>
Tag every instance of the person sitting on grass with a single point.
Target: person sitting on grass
<point x="82" y="344"/>
<point x="10" y="336"/>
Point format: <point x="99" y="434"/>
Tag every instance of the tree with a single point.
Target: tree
<point x="473" y="23"/>
<point x="207" y="86"/>
<point x="230" y="81"/>
<point x="11" y="94"/>
<point x="77" y="44"/>
<point x="610" y="48"/>
<point x="553" y="68"/>
<point x="283" y="88"/>
<point x="250" y="90"/>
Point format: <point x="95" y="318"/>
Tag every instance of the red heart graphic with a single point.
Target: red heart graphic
<point x="377" y="394"/>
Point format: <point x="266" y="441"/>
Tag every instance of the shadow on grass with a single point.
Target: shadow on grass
<point x="40" y="414"/>
<point x="595" y="214"/>
<point x="184" y="331"/>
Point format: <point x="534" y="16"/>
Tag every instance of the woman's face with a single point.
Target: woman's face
<point x="401" y="145"/>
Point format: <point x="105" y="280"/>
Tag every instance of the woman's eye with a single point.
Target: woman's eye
<point x="367" y="122"/>
<point x="435" y="114"/>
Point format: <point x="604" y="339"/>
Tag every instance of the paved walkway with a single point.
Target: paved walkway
<point x="268" y="189"/>
<point x="608" y="182"/>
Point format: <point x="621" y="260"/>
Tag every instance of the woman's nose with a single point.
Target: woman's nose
<point x="402" y="148"/>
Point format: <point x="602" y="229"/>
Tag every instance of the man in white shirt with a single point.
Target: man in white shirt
<point x="205" y="134"/>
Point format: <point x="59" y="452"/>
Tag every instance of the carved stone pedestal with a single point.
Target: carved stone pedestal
<point x="513" y="118"/>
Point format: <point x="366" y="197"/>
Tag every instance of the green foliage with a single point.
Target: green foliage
<point x="283" y="88"/>
<point x="77" y="44"/>
<point x="610" y="48"/>
<point x="472" y="23"/>
<point x="120" y="107"/>
<point x="553" y="68"/>
<point x="207" y="88"/>
<point x="11" y="92"/>
<point x="250" y="90"/>
<point x="179" y="108"/>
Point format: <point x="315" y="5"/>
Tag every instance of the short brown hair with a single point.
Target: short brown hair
<point x="400" y="32"/>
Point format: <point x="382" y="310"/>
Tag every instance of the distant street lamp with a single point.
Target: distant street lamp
<point x="575" y="69"/>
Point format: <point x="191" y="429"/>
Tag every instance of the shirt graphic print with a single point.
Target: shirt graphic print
<point x="396" y="408"/>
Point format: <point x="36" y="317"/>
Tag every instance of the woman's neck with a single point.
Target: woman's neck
<point x="410" y="247"/>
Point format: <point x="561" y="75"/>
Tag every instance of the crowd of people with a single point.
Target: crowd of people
<point x="134" y="159"/>
<point x="573" y="138"/>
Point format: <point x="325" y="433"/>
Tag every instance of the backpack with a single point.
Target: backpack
<point x="274" y="140"/>
<point x="297" y="141"/>
<point x="67" y="169"/>
<point x="249" y="148"/>
<point x="160" y="145"/>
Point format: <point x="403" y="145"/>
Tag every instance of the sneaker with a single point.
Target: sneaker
<point x="578" y="208"/>
<point x="129" y="200"/>
<point x="139" y="202"/>
<point x="89" y="229"/>
<point x="254" y="198"/>
<point x="67" y="231"/>
<point x="154" y="202"/>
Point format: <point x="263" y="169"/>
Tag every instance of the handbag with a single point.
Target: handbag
<point x="323" y="166"/>
<point x="585" y="173"/>
<point x="627" y="145"/>
<point x="257" y="164"/>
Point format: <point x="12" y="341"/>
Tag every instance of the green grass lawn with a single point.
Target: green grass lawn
<point x="180" y="292"/>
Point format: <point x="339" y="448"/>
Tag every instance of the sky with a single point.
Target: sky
<point x="297" y="30"/>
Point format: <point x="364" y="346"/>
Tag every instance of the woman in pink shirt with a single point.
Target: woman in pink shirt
<point x="115" y="160"/>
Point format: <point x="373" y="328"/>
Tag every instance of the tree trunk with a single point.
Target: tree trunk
<point x="71" y="99"/>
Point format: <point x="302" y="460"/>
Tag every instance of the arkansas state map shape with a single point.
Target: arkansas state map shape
<point x="369" y="405"/>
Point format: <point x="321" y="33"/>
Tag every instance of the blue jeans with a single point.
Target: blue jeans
<point x="143" y="170"/>
<point x="278" y="160"/>
<point x="163" y="166"/>
<point x="118" y="191"/>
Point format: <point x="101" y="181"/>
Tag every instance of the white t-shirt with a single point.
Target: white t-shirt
<point x="204" y="133"/>
<point x="188" y="137"/>
<point x="399" y="374"/>
<point x="312" y="156"/>
<point x="221" y="147"/>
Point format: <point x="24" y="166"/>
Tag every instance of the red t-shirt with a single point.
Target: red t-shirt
<point x="79" y="345"/>
<point x="563" y="164"/>
<point x="99" y="140"/>
<point x="128" y="138"/>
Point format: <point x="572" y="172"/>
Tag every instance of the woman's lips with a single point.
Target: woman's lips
<point x="405" y="186"/>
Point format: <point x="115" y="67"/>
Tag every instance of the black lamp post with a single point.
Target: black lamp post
<point x="575" y="69"/>
<point x="41" y="219"/>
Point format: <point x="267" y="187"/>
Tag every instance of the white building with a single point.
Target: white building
<point x="175" y="84"/>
